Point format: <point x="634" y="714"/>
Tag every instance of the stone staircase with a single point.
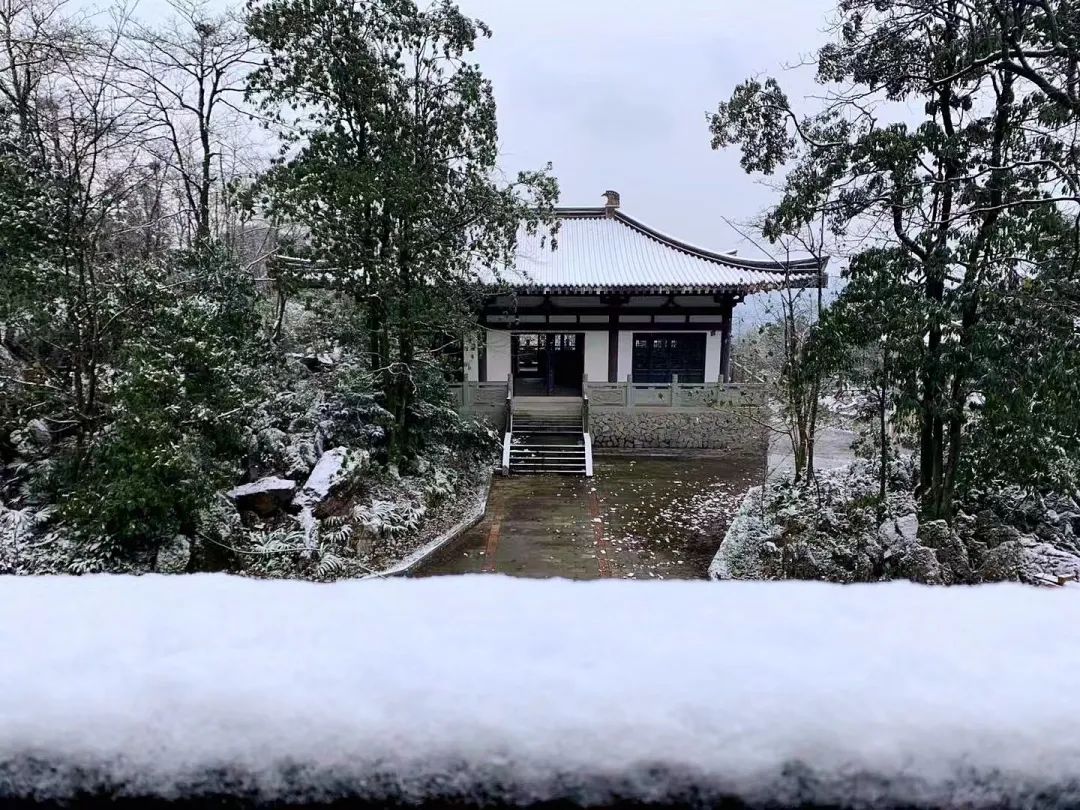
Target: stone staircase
<point x="547" y="435"/>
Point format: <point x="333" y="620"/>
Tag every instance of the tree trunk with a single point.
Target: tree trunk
<point x="811" y="437"/>
<point x="883" y="438"/>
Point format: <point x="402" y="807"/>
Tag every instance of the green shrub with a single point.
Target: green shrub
<point x="176" y="432"/>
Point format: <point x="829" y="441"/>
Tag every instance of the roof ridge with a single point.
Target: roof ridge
<point x="808" y="264"/>
<point x="762" y="265"/>
<point x="580" y="212"/>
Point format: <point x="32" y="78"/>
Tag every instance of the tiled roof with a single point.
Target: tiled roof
<point x="601" y="250"/>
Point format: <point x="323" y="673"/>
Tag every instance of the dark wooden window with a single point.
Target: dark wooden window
<point x="525" y="354"/>
<point x="659" y="355"/>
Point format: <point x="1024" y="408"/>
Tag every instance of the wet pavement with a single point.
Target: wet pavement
<point x="637" y="518"/>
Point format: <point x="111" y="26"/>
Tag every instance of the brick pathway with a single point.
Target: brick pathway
<point x="637" y="518"/>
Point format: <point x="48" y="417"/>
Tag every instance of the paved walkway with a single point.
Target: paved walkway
<point x="643" y="518"/>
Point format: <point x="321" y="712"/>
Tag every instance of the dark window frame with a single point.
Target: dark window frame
<point x="656" y="356"/>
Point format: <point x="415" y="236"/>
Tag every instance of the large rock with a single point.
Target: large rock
<point x="39" y="431"/>
<point x="270" y="442"/>
<point x="908" y="526"/>
<point x="950" y="551"/>
<point x="334" y="470"/>
<point x="32" y="440"/>
<point x="173" y="556"/>
<point x="994" y="535"/>
<point x="265" y="496"/>
<point x="919" y="564"/>
<point x="1003" y="562"/>
<point x="899" y="531"/>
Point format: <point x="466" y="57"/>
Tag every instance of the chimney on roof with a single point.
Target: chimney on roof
<point x="612" y="202"/>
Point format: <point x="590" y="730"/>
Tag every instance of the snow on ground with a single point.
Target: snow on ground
<point x="837" y="531"/>
<point x="531" y="690"/>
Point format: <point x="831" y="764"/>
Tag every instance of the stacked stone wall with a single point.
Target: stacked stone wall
<point x="736" y="430"/>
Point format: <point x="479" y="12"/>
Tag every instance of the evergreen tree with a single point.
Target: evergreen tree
<point x="389" y="160"/>
<point x="961" y="198"/>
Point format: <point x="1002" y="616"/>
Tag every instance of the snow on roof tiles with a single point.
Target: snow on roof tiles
<point x="602" y="249"/>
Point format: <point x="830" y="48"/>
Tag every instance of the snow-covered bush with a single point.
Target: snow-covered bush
<point x="838" y="530"/>
<point x="33" y="541"/>
<point x="440" y="484"/>
<point x="384" y="518"/>
<point x="177" y="411"/>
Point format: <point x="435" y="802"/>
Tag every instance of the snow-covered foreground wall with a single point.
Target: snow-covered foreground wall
<point x="522" y="690"/>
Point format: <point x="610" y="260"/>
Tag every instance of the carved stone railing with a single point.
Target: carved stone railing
<point x="483" y="395"/>
<point x="673" y="395"/>
<point x="488" y="400"/>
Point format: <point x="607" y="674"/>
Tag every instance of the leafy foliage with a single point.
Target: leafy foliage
<point x="389" y="161"/>
<point x="951" y="220"/>
<point x="181" y="398"/>
<point x="160" y="343"/>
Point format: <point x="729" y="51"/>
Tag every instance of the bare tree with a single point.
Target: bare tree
<point x="188" y="78"/>
<point x="36" y="40"/>
<point x="797" y="373"/>
<point x="90" y="148"/>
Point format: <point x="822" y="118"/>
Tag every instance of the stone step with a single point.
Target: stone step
<point x="550" y="464"/>
<point x="561" y="420"/>
<point x="539" y="469"/>
<point x="527" y="417"/>
<point x="567" y="429"/>
<point x="522" y="428"/>
<point x="547" y="411"/>
<point x="559" y="423"/>
<point x="545" y="454"/>
<point x="549" y="448"/>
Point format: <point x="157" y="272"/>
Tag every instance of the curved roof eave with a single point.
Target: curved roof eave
<point x="647" y="289"/>
<point x="761" y="265"/>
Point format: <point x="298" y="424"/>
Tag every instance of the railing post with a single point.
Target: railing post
<point x="629" y="390"/>
<point x="584" y="403"/>
<point x="508" y="426"/>
<point x="509" y="407"/>
<point x="507" y="443"/>
<point x="674" y="390"/>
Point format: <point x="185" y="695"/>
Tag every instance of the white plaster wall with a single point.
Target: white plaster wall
<point x="626" y="354"/>
<point x="498" y="355"/>
<point x="712" y="356"/>
<point x="596" y="345"/>
<point x="596" y="356"/>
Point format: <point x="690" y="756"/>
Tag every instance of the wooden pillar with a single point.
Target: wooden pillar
<point x="725" y="342"/>
<point x="613" y="355"/>
<point x="481" y="356"/>
<point x="613" y="303"/>
<point x="549" y="371"/>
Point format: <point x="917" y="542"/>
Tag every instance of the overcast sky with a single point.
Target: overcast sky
<point x="615" y="94"/>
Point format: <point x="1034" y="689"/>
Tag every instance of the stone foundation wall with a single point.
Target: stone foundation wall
<point x="735" y="430"/>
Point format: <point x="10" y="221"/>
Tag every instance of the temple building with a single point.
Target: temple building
<point x="622" y="331"/>
<point x="618" y="301"/>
